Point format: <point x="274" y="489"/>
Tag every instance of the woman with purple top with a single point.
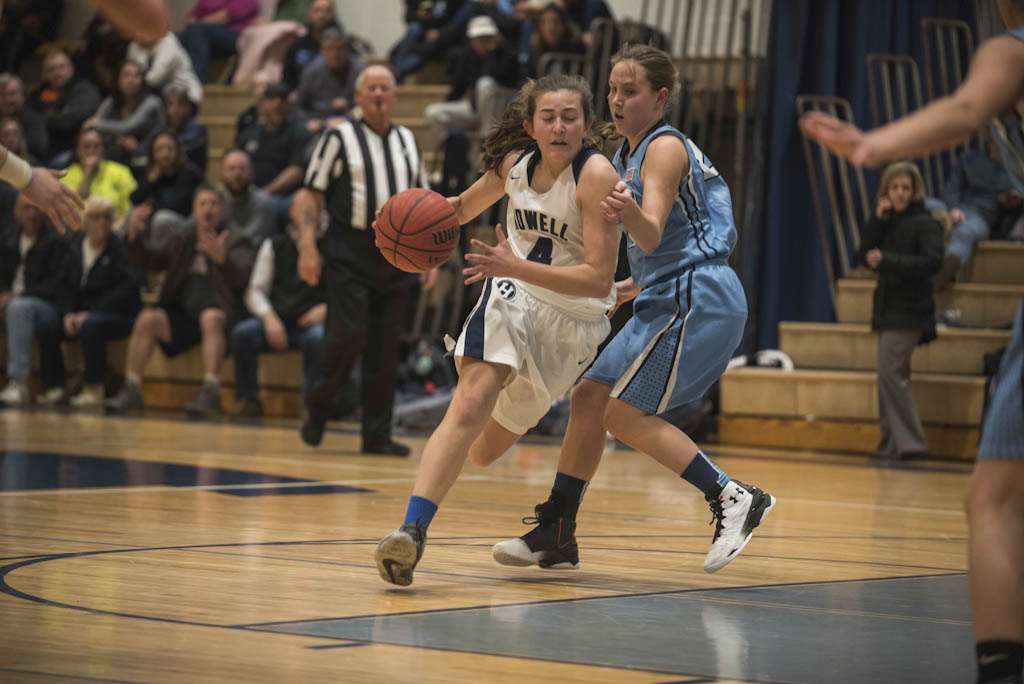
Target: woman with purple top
<point x="213" y="28"/>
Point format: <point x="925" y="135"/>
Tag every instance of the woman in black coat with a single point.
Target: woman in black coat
<point x="903" y="244"/>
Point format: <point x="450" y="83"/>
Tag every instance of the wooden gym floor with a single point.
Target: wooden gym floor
<point x="157" y="550"/>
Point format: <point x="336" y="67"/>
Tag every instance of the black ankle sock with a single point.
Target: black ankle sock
<point x="999" y="661"/>
<point x="567" y="493"/>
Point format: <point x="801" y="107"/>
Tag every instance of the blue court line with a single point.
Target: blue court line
<point x="322" y="647"/>
<point x="55" y="675"/>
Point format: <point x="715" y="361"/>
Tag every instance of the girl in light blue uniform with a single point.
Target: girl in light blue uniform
<point x="688" y="317"/>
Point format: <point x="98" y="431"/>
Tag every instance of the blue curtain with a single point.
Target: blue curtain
<point x="817" y="47"/>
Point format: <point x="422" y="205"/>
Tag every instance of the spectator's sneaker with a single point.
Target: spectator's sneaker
<point x="50" y="397"/>
<point x="399" y="552"/>
<point x="248" y="408"/>
<point x="206" y="405"/>
<point x="90" y="396"/>
<point x="551" y="544"/>
<point x="388" y="448"/>
<point x="128" y="400"/>
<point x="736" y="511"/>
<point x="15" y="394"/>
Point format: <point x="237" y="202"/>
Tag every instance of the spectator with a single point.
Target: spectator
<point x="287" y="313"/>
<point x="65" y="102"/>
<point x="424" y="20"/>
<point x="977" y="193"/>
<point x="167" y="64"/>
<point x="98" y="296"/>
<point x="903" y="243"/>
<point x="276" y="143"/>
<point x="12" y="103"/>
<point x="583" y="13"/>
<point x="171" y="180"/>
<point x="305" y="48"/>
<point x="262" y="47"/>
<point x="13" y="138"/>
<point x="248" y="207"/>
<point x="91" y="174"/>
<point x="182" y="123"/>
<point x="99" y="53"/>
<point x="213" y="28"/>
<point x="24" y="26"/>
<point x="207" y="264"/>
<point x="555" y="32"/>
<point x="486" y="70"/>
<point x="327" y="87"/>
<point x="127" y="116"/>
<point x="30" y="267"/>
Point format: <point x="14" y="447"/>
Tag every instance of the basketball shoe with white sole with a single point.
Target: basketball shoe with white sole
<point x="736" y="511"/>
<point x="551" y="544"/>
<point x="399" y="552"/>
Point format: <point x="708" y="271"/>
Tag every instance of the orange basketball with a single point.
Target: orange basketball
<point x="417" y="230"/>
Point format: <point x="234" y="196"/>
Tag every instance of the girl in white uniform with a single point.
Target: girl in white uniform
<point x="548" y="288"/>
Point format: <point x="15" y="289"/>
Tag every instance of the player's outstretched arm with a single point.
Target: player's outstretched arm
<point x="144" y="20"/>
<point x="41" y="187"/>
<point x="485" y="191"/>
<point x="993" y="84"/>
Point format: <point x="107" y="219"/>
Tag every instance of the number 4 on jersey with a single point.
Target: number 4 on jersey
<point x="541" y="252"/>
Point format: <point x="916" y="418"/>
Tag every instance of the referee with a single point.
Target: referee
<point x="355" y="168"/>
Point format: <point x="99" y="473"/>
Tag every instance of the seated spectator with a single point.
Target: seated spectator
<point x="424" y="21"/>
<point x="99" y="53"/>
<point x="583" y="13"/>
<point x="207" y="264"/>
<point x="65" y="102"/>
<point x="183" y="124"/>
<point x="978" y="193"/>
<point x="213" y="28"/>
<point x="24" y="26"/>
<point x="166" y="65"/>
<point x="246" y="206"/>
<point x="306" y="48"/>
<point x="903" y="243"/>
<point x="555" y="33"/>
<point x="12" y="103"/>
<point x="171" y="180"/>
<point x="276" y="143"/>
<point x="127" y="116"/>
<point x="485" y="70"/>
<point x="91" y="174"/>
<point x="31" y="258"/>
<point x="286" y="314"/>
<point x="263" y="45"/>
<point x="328" y="85"/>
<point x="98" y="295"/>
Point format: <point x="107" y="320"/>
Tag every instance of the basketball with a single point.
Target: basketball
<point x="416" y="230"/>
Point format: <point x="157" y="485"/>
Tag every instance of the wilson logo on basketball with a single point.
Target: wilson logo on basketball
<point x="444" y="237"/>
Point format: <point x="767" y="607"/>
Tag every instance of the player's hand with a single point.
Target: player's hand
<point x="873" y="257"/>
<point x="428" y="279"/>
<point x="309" y="265"/>
<point x="841" y="137"/>
<point x="273" y="328"/>
<point x="617" y="203"/>
<point x="884" y="209"/>
<point x="625" y="291"/>
<point x="491" y="262"/>
<point x="59" y="202"/>
<point x="957" y="215"/>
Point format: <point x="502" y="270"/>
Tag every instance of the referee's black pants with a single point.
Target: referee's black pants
<point x="367" y="302"/>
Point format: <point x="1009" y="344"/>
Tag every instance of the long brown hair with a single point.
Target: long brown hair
<point x="508" y="134"/>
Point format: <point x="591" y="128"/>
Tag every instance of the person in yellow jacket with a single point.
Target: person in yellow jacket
<point x="91" y="174"/>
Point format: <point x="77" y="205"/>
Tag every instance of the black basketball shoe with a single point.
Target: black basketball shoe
<point x="399" y="552"/>
<point x="551" y="544"/>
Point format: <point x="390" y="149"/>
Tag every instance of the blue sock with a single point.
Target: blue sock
<point x="567" y="493"/>
<point x="703" y="474"/>
<point x="420" y="511"/>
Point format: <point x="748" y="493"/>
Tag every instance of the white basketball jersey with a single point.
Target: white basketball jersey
<point x="548" y="228"/>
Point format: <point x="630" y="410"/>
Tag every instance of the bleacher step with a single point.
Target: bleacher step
<point x="981" y="305"/>
<point x="997" y="262"/>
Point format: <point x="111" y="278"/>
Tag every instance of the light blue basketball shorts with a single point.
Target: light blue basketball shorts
<point x="1002" y="435"/>
<point x="678" y="342"/>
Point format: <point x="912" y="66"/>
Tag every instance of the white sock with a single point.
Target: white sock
<point x="133" y="378"/>
<point x="211" y="379"/>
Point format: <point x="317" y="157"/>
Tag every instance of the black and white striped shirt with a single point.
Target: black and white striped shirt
<point x="358" y="170"/>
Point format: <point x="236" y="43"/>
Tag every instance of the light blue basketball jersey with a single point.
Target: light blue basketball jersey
<point x="700" y="225"/>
